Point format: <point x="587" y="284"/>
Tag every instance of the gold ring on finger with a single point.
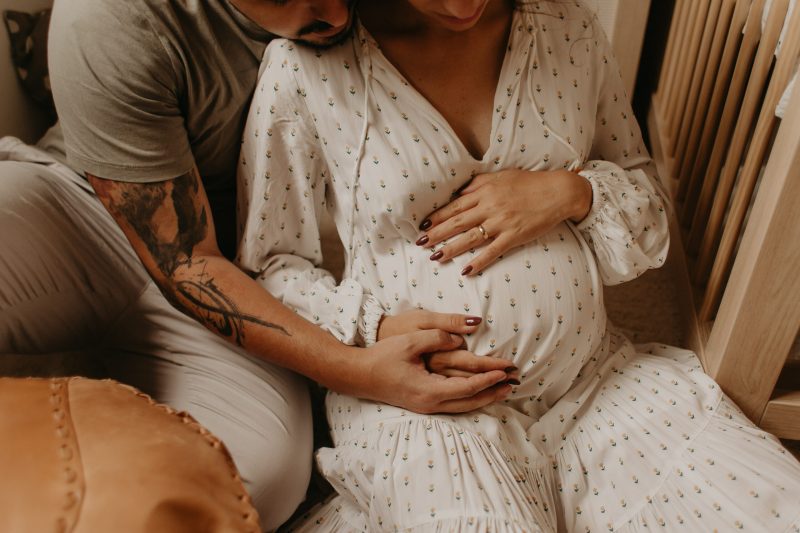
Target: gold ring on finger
<point x="484" y="234"/>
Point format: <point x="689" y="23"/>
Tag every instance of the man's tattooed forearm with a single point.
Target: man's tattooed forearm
<point x="208" y="303"/>
<point x="218" y="311"/>
<point x="140" y="206"/>
<point x="144" y="207"/>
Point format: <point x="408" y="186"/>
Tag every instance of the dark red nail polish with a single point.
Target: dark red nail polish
<point x="437" y="255"/>
<point x="513" y="381"/>
<point x="422" y="240"/>
<point x="473" y="320"/>
<point x="467" y="270"/>
<point x="425" y="224"/>
<point x="510" y="369"/>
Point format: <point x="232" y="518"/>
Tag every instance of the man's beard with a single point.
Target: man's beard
<point x="320" y="26"/>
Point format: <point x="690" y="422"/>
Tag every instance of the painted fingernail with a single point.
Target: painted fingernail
<point x="473" y="320"/>
<point x="513" y="381"/>
<point x="437" y="255"/>
<point x="425" y="224"/>
<point x="467" y="270"/>
<point x="422" y="240"/>
<point x="510" y="369"/>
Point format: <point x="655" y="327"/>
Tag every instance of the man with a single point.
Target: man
<point x="151" y="96"/>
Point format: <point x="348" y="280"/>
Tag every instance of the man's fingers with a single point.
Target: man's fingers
<point x="455" y="373"/>
<point x="493" y="394"/>
<point x="468" y="362"/>
<point x="461" y="388"/>
<point x="440" y="362"/>
<point x="428" y="340"/>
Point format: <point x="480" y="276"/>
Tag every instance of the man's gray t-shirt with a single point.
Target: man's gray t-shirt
<point x="146" y="88"/>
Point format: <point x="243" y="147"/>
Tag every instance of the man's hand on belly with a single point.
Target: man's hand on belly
<point x="451" y="363"/>
<point x="394" y="371"/>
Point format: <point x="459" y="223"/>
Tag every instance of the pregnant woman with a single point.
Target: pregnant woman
<point x="516" y="113"/>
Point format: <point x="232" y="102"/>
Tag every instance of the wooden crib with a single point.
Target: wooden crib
<point x="733" y="169"/>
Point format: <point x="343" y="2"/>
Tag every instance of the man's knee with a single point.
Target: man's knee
<point x="25" y="189"/>
<point x="43" y="204"/>
<point x="265" y="422"/>
<point x="280" y="486"/>
<point x="63" y="263"/>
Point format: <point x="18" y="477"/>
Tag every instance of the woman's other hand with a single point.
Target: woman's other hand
<point x="502" y="210"/>
<point x="453" y="363"/>
<point x="419" y="319"/>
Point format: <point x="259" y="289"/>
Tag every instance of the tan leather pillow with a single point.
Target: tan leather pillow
<point x="81" y="455"/>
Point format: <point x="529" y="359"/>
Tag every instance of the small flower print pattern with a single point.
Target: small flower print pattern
<point x="600" y="435"/>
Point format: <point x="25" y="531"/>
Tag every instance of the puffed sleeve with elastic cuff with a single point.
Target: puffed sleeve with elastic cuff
<point x="281" y="194"/>
<point x="627" y="225"/>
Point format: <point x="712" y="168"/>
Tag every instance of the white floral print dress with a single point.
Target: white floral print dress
<point x="598" y="436"/>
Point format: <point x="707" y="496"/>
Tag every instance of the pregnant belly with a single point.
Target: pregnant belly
<point x="541" y="303"/>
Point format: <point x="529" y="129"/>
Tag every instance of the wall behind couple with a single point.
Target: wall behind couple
<point x="19" y="115"/>
<point x="624" y="22"/>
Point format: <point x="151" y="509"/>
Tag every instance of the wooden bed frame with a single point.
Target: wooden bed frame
<point x="733" y="168"/>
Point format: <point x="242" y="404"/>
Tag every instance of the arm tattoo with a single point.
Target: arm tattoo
<point x="139" y="206"/>
<point x="216" y="309"/>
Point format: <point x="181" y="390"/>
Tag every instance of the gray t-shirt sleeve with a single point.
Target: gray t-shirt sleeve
<point x="116" y="88"/>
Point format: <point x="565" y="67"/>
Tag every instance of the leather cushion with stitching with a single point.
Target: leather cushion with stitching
<point x="80" y="456"/>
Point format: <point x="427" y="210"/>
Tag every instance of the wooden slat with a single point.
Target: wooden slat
<point x="669" y="53"/>
<point x="702" y="79"/>
<point x="726" y="127"/>
<point x="678" y="103"/>
<point x="752" y="107"/>
<point x="681" y="57"/>
<point x="712" y="93"/>
<point x="756" y="153"/>
<point x="700" y="68"/>
<point x="758" y="319"/>
<point x="782" y="415"/>
<point x="672" y="61"/>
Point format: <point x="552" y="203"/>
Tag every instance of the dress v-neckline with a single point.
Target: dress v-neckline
<point x="366" y="37"/>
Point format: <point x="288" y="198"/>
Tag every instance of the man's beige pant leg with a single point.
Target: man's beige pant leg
<point x="69" y="282"/>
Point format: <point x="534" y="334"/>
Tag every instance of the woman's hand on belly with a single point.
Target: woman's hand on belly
<point x="502" y="210"/>
<point x="452" y="363"/>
